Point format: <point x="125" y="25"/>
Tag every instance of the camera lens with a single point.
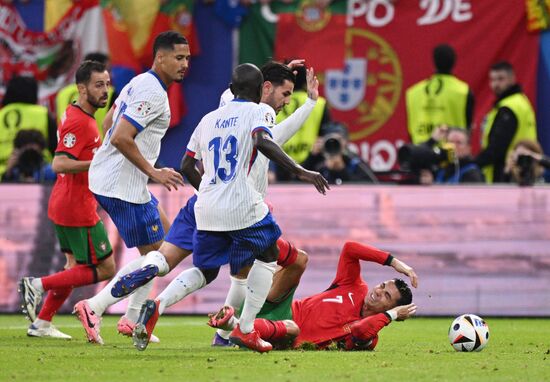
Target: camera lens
<point x="332" y="146"/>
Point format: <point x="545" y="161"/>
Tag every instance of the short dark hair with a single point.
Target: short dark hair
<point x="29" y="136"/>
<point x="277" y="73"/>
<point x="444" y="58"/>
<point x="84" y="71"/>
<point x="23" y="89"/>
<point x="167" y="40"/>
<point x="246" y="82"/>
<point x="503" y="65"/>
<point x="404" y="291"/>
<point x="97" y="56"/>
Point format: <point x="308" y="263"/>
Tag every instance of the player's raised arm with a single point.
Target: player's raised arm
<point x="283" y="131"/>
<point x="349" y="268"/>
<point x="403" y="268"/>
<point x="266" y="145"/>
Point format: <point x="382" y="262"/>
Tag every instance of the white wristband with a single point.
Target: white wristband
<point x="392" y="313"/>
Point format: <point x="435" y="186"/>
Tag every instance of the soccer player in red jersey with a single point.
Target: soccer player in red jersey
<point x="347" y="313"/>
<point x="72" y="207"/>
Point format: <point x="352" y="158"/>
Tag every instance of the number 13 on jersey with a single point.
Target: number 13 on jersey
<point x="228" y="151"/>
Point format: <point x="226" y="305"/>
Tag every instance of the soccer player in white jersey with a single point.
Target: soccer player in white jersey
<point x="123" y="165"/>
<point x="230" y="211"/>
<point x="277" y="88"/>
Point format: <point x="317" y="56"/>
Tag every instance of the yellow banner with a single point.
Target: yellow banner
<point x="538" y="15"/>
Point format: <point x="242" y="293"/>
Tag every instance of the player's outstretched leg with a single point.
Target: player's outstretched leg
<point x="130" y="282"/>
<point x="146" y="324"/>
<point x="30" y="298"/>
<point x="90" y="321"/>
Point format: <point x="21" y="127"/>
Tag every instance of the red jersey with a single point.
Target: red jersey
<point x="72" y="204"/>
<point x="326" y="316"/>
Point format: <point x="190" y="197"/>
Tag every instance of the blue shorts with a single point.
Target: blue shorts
<point x="238" y="248"/>
<point x="183" y="227"/>
<point x="137" y="224"/>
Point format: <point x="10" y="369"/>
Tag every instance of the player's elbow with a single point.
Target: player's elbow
<point x="58" y="166"/>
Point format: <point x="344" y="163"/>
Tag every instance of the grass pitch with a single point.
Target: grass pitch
<point x="416" y="350"/>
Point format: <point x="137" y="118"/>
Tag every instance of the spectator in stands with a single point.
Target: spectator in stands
<point x="511" y="120"/>
<point x="26" y="163"/>
<point x="300" y="145"/>
<point x="331" y="157"/>
<point x="463" y="169"/>
<point x="441" y="99"/>
<point x="69" y="93"/>
<point x="20" y="112"/>
<point x="525" y="163"/>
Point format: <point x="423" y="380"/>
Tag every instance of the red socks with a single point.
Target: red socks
<point x="53" y="301"/>
<point x="70" y="278"/>
<point x="270" y="330"/>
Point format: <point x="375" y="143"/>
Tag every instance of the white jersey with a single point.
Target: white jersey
<point x="223" y="140"/>
<point x="282" y="132"/>
<point x="226" y="97"/>
<point x="144" y="103"/>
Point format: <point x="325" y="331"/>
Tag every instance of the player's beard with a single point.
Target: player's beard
<point x="98" y="103"/>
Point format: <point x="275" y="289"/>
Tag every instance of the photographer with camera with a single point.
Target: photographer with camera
<point x="444" y="159"/>
<point x="26" y="163"/>
<point x="525" y="164"/>
<point x="330" y="156"/>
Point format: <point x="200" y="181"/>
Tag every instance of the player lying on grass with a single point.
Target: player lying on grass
<point x="347" y="314"/>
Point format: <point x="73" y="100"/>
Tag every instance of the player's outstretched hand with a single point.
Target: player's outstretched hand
<point x="401" y="267"/>
<point x="168" y="177"/>
<point x="318" y="180"/>
<point x="404" y="311"/>
<point x="312" y="84"/>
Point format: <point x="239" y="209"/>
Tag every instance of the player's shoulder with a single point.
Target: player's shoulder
<point x="226" y="97"/>
<point x="146" y="84"/>
<point x="267" y="114"/>
<point x="75" y="118"/>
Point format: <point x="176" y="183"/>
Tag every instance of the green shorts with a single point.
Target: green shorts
<point x="88" y="245"/>
<point x="278" y="310"/>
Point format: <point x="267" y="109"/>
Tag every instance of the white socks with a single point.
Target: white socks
<point x="104" y="298"/>
<point x="36" y="282"/>
<point x="158" y="259"/>
<point x="259" y="282"/>
<point x="235" y="298"/>
<point x="187" y="282"/>
<point x="41" y="324"/>
<point x="136" y="300"/>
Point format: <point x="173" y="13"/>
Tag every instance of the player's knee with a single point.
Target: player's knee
<point x="302" y="259"/>
<point x="292" y="329"/>
<point x="270" y="255"/>
<point x="106" y="269"/>
<point x="210" y="274"/>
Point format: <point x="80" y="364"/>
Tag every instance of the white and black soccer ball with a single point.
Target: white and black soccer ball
<point x="469" y="333"/>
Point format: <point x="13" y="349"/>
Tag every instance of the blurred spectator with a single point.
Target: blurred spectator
<point x="463" y="169"/>
<point x="300" y="145"/>
<point x="441" y="99"/>
<point x="510" y="120"/>
<point x="525" y="163"/>
<point x="69" y="93"/>
<point x="20" y="112"/>
<point x="26" y="163"/>
<point x="330" y="156"/>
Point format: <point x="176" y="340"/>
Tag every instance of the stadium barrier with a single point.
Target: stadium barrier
<point x="482" y="250"/>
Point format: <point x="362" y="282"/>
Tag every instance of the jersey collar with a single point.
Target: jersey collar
<point x="150" y="71"/>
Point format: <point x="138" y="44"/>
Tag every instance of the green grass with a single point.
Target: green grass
<point x="417" y="350"/>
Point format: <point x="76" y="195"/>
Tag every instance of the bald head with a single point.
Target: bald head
<point x="246" y="82"/>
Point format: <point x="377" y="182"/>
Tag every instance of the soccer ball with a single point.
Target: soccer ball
<point x="468" y="333"/>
